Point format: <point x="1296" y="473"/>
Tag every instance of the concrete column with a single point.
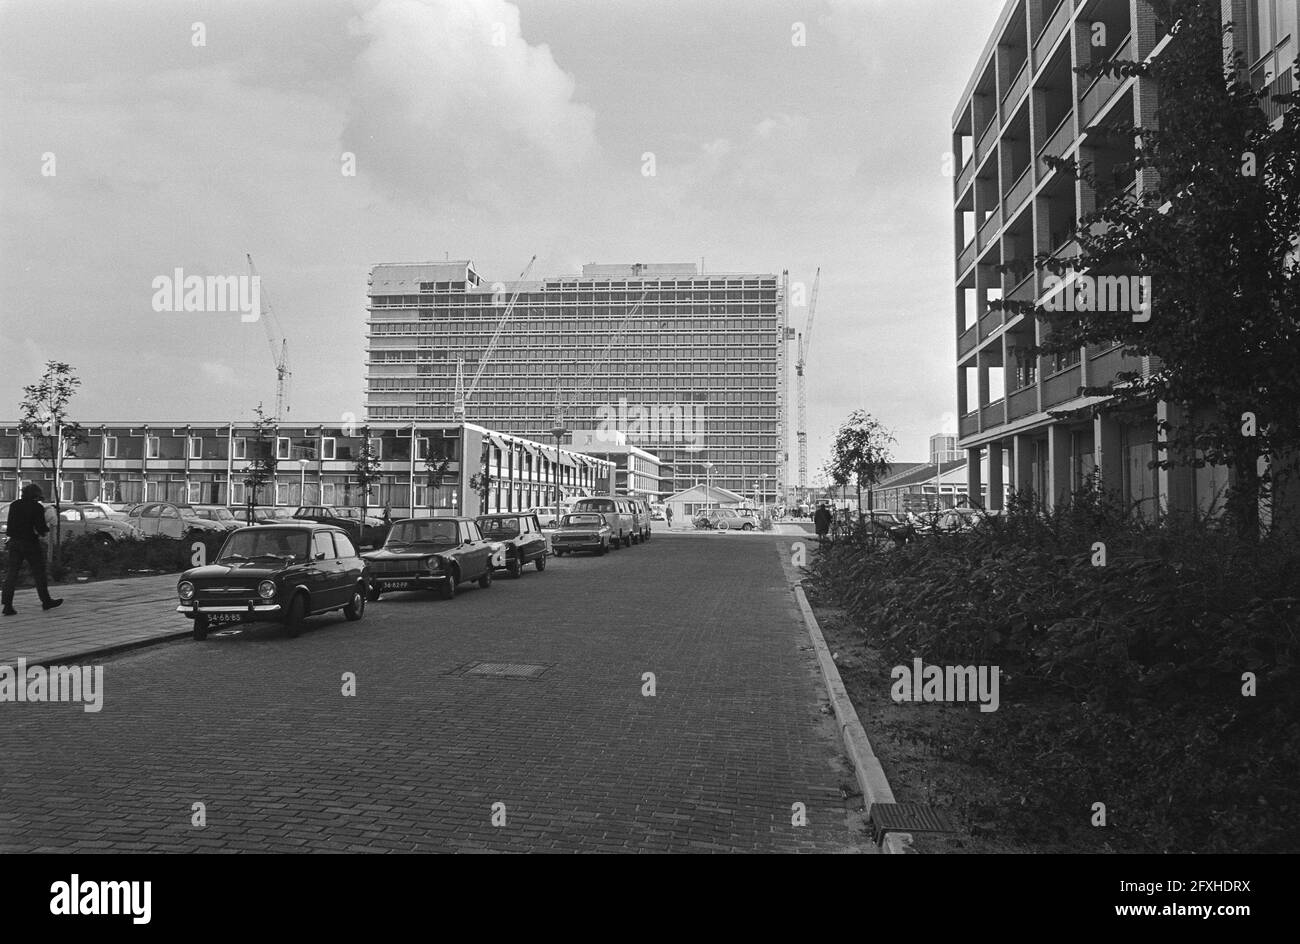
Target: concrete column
<point x="1175" y="490"/>
<point x="1022" y="463"/>
<point x="1106" y="449"/>
<point x="1058" y="464"/>
<point x="973" y="479"/>
<point x="995" y="477"/>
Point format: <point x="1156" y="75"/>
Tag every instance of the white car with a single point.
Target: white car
<point x="545" y="516"/>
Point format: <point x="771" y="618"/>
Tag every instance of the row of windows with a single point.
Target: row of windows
<point x="527" y="303"/>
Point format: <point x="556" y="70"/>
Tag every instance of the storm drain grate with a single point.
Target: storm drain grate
<point x="514" y="670"/>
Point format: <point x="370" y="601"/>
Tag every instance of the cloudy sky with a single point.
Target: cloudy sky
<point x="481" y="129"/>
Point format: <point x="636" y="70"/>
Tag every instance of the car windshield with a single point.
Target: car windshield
<point x="587" y="520"/>
<point x="432" y="531"/>
<point x="266" y="542"/>
<point x="499" y="527"/>
<point x="90" y="511"/>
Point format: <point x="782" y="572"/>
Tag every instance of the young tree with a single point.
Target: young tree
<point x="860" y="453"/>
<point x="1215" y="229"/>
<point x="436" y="465"/>
<point x="44" y="422"/>
<point x="366" y="471"/>
<point x="481" y="482"/>
<point x="260" y="470"/>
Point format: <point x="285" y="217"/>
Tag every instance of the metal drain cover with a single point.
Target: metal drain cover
<point x="519" y="670"/>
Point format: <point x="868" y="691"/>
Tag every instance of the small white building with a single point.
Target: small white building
<point x="689" y="502"/>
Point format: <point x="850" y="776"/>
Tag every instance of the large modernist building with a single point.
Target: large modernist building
<point x="422" y="468"/>
<point x="1023" y="104"/>
<point x="689" y="366"/>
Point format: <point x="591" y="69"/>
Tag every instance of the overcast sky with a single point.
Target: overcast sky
<point x="481" y="129"/>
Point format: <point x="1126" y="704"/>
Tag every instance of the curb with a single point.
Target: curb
<point x="111" y="650"/>
<point x="866" y="766"/>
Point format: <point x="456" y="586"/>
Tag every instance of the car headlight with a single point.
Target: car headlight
<point x="266" y="589"/>
<point x="186" y="590"/>
<point x="433" y="563"/>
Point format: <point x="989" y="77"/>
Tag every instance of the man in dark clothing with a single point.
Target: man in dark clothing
<point x="25" y="528"/>
<point x="822" y="521"/>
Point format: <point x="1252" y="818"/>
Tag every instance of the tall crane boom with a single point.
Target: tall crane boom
<point x="463" y="393"/>
<point x="279" y="347"/>
<point x="805" y="341"/>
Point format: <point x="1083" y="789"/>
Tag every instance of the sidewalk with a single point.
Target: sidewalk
<point x="95" y="618"/>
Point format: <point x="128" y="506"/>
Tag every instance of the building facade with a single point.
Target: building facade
<point x="635" y="471"/>
<point x="690" y="366"/>
<point x="423" y="468"/>
<point x="1024" y="104"/>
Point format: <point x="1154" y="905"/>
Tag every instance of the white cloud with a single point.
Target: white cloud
<point x="448" y="100"/>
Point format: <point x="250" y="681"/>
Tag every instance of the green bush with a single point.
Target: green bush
<point x="1121" y="683"/>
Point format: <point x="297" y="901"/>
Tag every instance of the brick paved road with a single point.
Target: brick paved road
<point x="254" y="724"/>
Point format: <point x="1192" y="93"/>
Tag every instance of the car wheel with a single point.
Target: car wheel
<point x="541" y="562"/>
<point x="515" y="567"/>
<point x="201" y="626"/>
<point x="297" y="613"/>
<point x="448" y="588"/>
<point x="486" y="580"/>
<point x="357" y="608"/>
<point x="600" y="552"/>
<point x="747" y="527"/>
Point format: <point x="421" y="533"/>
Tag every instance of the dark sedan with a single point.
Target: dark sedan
<point x="432" y="554"/>
<point x="280" y="573"/>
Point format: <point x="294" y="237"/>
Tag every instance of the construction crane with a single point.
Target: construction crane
<point x="801" y="432"/>
<point x="279" y="347"/>
<point x="462" y="392"/>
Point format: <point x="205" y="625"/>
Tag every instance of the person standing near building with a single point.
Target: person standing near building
<point x="822" y="521"/>
<point x="25" y="527"/>
<point x="668" y="515"/>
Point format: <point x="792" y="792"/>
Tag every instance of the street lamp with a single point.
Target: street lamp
<point x="558" y="432"/>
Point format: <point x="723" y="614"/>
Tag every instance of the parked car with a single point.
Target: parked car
<point x="364" y="534"/>
<point x="432" y="554"/>
<point x="83" y="518"/>
<point x="169" y="520"/>
<point x="729" y="519"/>
<point x="375" y="528"/>
<point x="617" y="509"/>
<point x="106" y="508"/>
<point x="283" y="574"/>
<point x="657" y="513"/>
<point x="545" y="516"/>
<point x="521" y="535"/>
<point x="641" y="510"/>
<point x="218" y="513"/>
<point x="886" y="524"/>
<point x="583" y="531"/>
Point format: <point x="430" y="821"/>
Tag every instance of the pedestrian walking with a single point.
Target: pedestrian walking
<point x="25" y="527"/>
<point x="668" y="514"/>
<point x="822" y="521"/>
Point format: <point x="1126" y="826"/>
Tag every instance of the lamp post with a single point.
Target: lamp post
<point x="708" y="485"/>
<point x="558" y="432"/>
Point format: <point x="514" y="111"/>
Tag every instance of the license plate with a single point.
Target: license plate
<point x="397" y="584"/>
<point x="225" y="617"/>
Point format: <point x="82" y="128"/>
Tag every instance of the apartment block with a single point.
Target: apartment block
<point x="689" y="366"/>
<point x="1024" y="104"/>
<point x="424" y="468"/>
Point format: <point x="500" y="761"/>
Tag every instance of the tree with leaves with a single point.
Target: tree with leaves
<point x="1215" y="228"/>
<point x="860" y="453"/>
<point x="436" y="465"/>
<point x="481" y="481"/>
<point x="261" y="467"/>
<point x="43" y="421"/>
<point x="366" y="471"/>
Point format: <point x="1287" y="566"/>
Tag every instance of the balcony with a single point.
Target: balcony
<point x="993" y="414"/>
<point x="1061" y="387"/>
<point x="966" y="342"/>
<point x="964" y="177"/>
<point x="1103" y="88"/>
<point x="986" y="141"/>
<point x="966" y="257"/>
<point x="1103" y="367"/>
<point x="968" y="425"/>
<point x="988" y="228"/>
<point x="1282" y="85"/>
<point x="1019" y="191"/>
<point x="1052" y="31"/>
<point x="1025" y="290"/>
<point x="1023" y="402"/>
<point x="990" y="322"/>
<point x="1016" y="88"/>
<point x="1058" y="143"/>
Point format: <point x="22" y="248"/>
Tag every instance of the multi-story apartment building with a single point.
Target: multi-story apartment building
<point x="424" y="468"/>
<point x="1023" y="104"/>
<point x="636" y="471"/>
<point x="690" y="366"/>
